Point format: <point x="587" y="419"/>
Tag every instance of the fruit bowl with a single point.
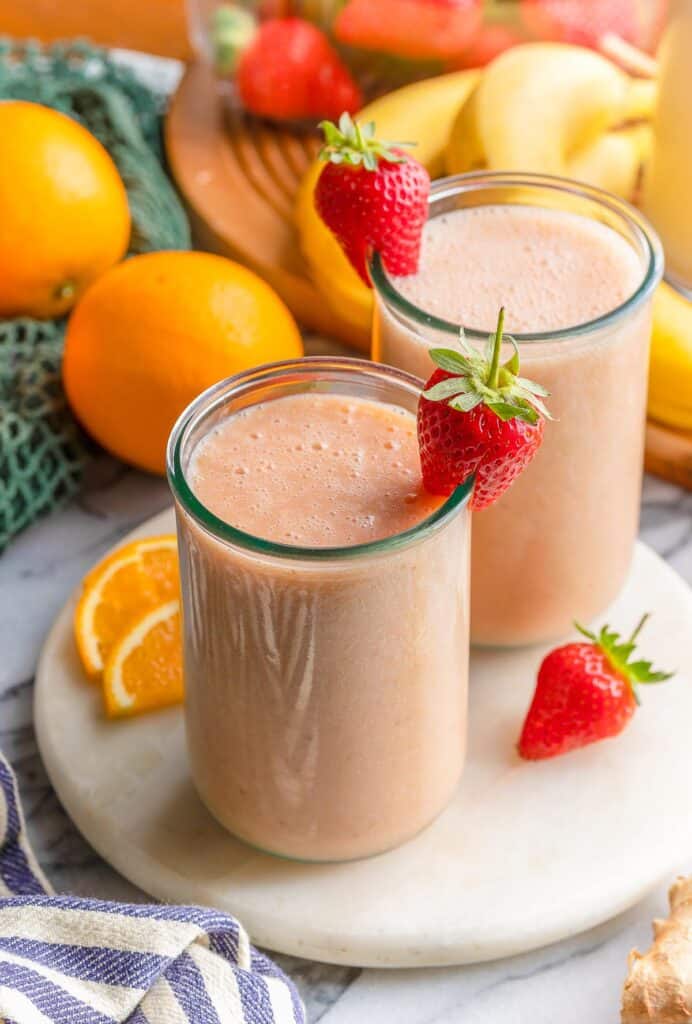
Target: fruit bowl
<point x="298" y="61"/>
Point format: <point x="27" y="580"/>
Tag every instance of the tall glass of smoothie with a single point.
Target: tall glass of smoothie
<point x="325" y="615"/>
<point x="576" y="269"/>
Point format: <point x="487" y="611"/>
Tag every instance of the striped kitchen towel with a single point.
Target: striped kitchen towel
<point x="69" y="960"/>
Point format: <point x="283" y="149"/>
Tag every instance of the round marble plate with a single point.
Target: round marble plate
<point x="526" y="854"/>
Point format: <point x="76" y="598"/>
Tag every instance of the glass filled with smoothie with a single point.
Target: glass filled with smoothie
<point x="325" y="615"/>
<point x="576" y="269"/>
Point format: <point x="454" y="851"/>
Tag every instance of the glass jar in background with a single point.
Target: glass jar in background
<point x="668" y="177"/>
<point x="358" y="49"/>
<point x="325" y="688"/>
<point x="558" y="545"/>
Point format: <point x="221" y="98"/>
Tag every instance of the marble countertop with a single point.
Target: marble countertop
<point x="579" y="979"/>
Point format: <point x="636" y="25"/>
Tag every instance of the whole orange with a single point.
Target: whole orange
<point x="64" y="217"/>
<point x="156" y="330"/>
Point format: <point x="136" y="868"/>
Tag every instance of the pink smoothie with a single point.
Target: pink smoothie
<point x="558" y="545"/>
<point x="325" y="697"/>
<point x="315" y="471"/>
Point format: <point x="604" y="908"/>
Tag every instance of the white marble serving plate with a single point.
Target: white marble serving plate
<point x="526" y="854"/>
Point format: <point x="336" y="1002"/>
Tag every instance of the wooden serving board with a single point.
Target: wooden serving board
<point x="239" y="178"/>
<point x="669" y="454"/>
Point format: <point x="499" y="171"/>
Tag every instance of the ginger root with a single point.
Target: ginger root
<point x="658" y="989"/>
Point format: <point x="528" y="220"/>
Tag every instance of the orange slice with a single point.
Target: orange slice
<point x="125" y="585"/>
<point x="145" y="667"/>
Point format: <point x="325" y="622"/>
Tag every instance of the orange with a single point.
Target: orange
<point x="145" y="668"/>
<point x="156" y="330"/>
<point x="128" y="583"/>
<point x="64" y="217"/>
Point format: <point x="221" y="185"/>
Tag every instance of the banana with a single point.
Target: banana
<point x="613" y="162"/>
<point x="329" y="269"/>
<point x="670" y="371"/>
<point x="551" y="108"/>
<point x="641" y="99"/>
<point x="422" y="113"/>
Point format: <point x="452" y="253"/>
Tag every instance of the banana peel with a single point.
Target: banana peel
<point x="552" y="108"/>
<point x="421" y="113"/>
<point x="330" y="271"/>
<point x="670" y="369"/>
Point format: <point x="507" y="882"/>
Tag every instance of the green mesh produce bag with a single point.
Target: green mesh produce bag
<point x="42" y="451"/>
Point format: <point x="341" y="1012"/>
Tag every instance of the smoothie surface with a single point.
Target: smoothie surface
<point x="551" y="269"/>
<point x="314" y="470"/>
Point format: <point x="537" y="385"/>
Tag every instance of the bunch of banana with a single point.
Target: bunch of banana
<point x="555" y="109"/>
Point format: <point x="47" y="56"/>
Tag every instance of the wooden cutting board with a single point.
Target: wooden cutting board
<point x="239" y="178"/>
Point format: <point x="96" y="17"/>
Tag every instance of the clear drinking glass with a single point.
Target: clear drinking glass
<point x="557" y="546"/>
<point x="325" y="687"/>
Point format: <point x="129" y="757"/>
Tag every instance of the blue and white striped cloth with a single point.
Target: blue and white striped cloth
<point x="68" y="960"/>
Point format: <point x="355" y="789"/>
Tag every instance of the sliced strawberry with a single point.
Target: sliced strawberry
<point x="419" y="29"/>
<point x="584" y="692"/>
<point x="372" y="196"/>
<point x="477" y="417"/>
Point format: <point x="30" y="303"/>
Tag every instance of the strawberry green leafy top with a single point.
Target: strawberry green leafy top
<point x="479" y="378"/>
<point x="355" y="145"/>
<point x="618" y="653"/>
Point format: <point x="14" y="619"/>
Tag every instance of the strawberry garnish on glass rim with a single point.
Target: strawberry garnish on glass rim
<point x="478" y="416"/>
<point x="585" y="692"/>
<point x="372" y="195"/>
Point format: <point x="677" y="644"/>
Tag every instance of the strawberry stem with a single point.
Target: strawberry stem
<point x="494" y="374"/>
<point x="638" y="628"/>
<point x="481" y="378"/>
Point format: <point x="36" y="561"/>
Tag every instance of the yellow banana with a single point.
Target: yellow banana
<point x="670" y="373"/>
<point x="613" y="161"/>
<point x="551" y="108"/>
<point x="422" y="113"/>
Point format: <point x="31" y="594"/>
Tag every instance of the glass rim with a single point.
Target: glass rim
<point x="244" y="382"/>
<point x="475" y="181"/>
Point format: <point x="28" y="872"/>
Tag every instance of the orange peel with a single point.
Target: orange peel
<point x="144" y="670"/>
<point x="128" y="583"/>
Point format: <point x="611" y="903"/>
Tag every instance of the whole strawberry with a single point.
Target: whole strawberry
<point x="478" y="417"/>
<point x="584" y="692"/>
<point x="285" y="68"/>
<point x="372" y="196"/>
